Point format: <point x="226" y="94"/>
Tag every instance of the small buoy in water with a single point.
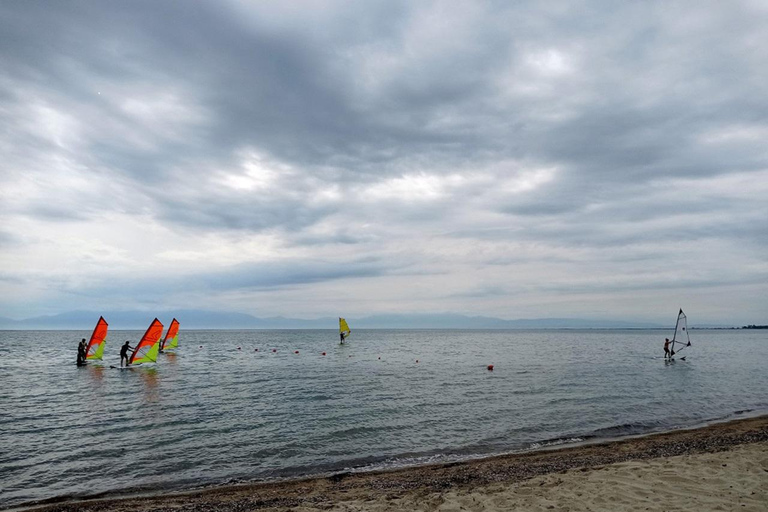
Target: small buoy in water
<point x="490" y="367"/>
<point x="274" y="350"/>
<point x="201" y="346"/>
<point x="296" y="352"/>
<point x="255" y="350"/>
<point x="238" y="348"/>
<point x="417" y="360"/>
<point x="379" y="358"/>
<point x="323" y="353"/>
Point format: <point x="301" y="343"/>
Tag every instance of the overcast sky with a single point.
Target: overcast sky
<point x="512" y="159"/>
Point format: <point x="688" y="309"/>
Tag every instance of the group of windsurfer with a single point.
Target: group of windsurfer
<point x="124" y="356"/>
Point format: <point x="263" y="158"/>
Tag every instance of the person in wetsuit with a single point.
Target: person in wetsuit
<point x="667" y="353"/>
<point x="81" y="355"/>
<point x="124" y="352"/>
<point x="341" y="335"/>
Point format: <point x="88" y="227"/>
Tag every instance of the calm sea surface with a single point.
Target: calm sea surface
<point x="212" y="413"/>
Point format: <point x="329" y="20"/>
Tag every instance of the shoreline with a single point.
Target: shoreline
<point x="435" y="479"/>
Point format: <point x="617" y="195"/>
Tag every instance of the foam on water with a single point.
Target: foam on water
<point x="217" y="414"/>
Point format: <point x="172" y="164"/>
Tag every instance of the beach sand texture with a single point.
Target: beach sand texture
<point x="717" y="467"/>
<point x="733" y="480"/>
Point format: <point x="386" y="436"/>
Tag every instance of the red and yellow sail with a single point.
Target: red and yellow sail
<point x="95" y="349"/>
<point x="172" y="336"/>
<point x="147" y="349"/>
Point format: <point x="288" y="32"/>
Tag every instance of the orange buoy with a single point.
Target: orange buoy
<point x="490" y="367"/>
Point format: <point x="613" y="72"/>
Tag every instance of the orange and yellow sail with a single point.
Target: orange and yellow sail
<point x="147" y="349"/>
<point x="95" y="349"/>
<point x="171" y="340"/>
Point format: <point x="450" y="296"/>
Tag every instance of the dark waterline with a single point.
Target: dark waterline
<point x="217" y="414"/>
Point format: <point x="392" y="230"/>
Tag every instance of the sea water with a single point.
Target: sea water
<point x="231" y="406"/>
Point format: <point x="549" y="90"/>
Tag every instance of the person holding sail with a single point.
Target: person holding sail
<point x="667" y="353"/>
<point x="81" y="355"/>
<point x="124" y="352"/>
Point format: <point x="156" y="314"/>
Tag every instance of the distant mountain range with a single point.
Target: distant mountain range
<point x="201" y="319"/>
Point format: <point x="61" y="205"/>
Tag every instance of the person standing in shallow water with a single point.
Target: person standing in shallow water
<point x="124" y="352"/>
<point x="81" y="355"/>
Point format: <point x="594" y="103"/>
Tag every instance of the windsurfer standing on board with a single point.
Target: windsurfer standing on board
<point x="124" y="352"/>
<point x="341" y="335"/>
<point x="81" y="353"/>
<point x="667" y="353"/>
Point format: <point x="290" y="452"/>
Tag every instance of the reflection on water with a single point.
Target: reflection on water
<point x="149" y="376"/>
<point x="213" y="414"/>
<point x="96" y="373"/>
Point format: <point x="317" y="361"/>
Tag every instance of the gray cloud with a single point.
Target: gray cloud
<point x="453" y="139"/>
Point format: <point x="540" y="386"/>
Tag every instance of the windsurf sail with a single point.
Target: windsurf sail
<point x="344" y="328"/>
<point x="171" y="340"/>
<point x="147" y="349"/>
<point x="681" y="339"/>
<point x="95" y="348"/>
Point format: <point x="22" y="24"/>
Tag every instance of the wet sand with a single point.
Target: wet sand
<point x="717" y="467"/>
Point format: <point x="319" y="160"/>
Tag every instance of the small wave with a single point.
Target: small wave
<point x="555" y="442"/>
<point x="627" y="429"/>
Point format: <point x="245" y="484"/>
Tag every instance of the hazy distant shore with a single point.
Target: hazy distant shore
<point x="688" y="465"/>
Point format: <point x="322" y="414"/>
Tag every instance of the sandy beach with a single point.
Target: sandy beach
<point x="718" y="467"/>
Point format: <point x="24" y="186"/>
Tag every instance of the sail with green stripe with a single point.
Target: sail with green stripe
<point x="147" y="349"/>
<point x="95" y="348"/>
<point x="171" y="340"/>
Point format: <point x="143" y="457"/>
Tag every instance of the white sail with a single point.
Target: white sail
<point x="681" y="338"/>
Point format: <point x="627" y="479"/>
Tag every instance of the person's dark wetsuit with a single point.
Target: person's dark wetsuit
<point x="81" y="355"/>
<point x="341" y="335"/>
<point x="667" y="353"/>
<point x="124" y="352"/>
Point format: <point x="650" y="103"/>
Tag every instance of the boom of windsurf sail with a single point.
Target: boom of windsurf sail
<point x="681" y="337"/>
<point x="95" y="349"/>
<point x="171" y="340"/>
<point x="344" y="328"/>
<point x="147" y="349"/>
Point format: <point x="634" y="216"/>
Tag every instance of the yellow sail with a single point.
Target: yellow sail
<point x="344" y="328"/>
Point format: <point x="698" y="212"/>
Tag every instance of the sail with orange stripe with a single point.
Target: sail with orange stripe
<point x="95" y="348"/>
<point x="147" y="349"/>
<point x="171" y="340"/>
